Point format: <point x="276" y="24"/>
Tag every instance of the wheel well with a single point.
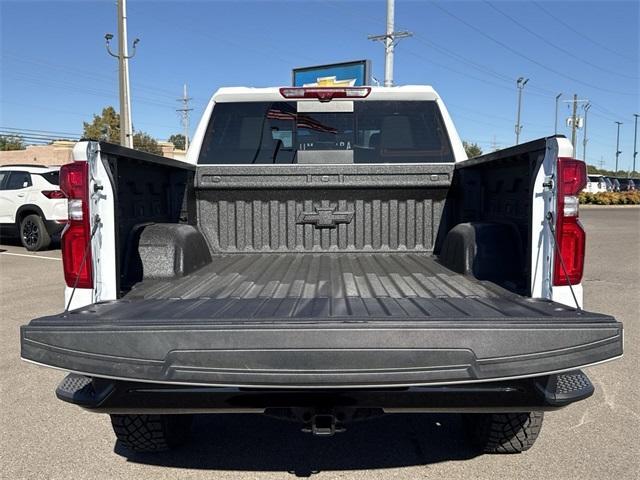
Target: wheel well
<point x="25" y="210"/>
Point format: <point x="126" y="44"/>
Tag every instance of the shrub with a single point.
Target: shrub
<point x="610" y="198"/>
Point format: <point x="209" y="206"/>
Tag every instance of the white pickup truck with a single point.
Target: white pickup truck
<point x="325" y="255"/>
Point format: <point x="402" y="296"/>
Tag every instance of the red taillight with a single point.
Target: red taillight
<point x="325" y="94"/>
<point x="570" y="236"/>
<point x="74" y="183"/>
<point x="53" y="194"/>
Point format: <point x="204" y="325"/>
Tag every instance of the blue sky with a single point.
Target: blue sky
<point x="56" y="72"/>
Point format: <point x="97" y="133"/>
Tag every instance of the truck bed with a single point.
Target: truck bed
<point x="337" y="286"/>
<point x="321" y="320"/>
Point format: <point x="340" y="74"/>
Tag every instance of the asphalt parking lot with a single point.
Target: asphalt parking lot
<point x="597" y="438"/>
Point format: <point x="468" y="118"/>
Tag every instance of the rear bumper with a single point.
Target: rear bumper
<point x="540" y="393"/>
<point x="320" y="354"/>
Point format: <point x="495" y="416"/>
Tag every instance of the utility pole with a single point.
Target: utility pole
<point x="584" y="138"/>
<point x="126" y="128"/>
<point x="635" y="138"/>
<point x="390" y="39"/>
<point x="184" y="113"/>
<point x="555" y="130"/>
<point x="520" y="83"/>
<point x="574" y="123"/>
<point x="618" y="152"/>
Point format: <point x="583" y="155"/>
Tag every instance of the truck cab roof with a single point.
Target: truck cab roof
<point x="248" y="94"/>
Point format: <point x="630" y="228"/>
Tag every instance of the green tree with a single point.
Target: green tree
<point x="472" y="149"/>
<point x="106" y="127"/>
<point x="178" y="140"/>
<point x="10" y="142"/>
<point x="146" y="143"/>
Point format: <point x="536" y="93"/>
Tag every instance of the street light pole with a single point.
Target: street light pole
<point x="635" y="138"/>
<point x="618" y="152"/>
<point x="126" y="126"/>
<point x="520" y="83"/>
<point x="555" y="130"/>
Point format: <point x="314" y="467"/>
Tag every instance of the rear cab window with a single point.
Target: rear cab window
<point x="373" y="131"/>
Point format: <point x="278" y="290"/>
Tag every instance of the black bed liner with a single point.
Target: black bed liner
<point x="321" y="286"/>
<point x="321" y="320"/>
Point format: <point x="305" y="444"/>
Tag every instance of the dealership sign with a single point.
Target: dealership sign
<point x="347" y="74"/>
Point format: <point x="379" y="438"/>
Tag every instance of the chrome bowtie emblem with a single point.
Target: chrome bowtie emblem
<point x="325" y="217"/>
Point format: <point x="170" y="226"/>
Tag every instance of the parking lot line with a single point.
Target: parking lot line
<point x="29" y="256"/>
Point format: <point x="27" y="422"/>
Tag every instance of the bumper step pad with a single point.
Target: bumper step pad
<point x="566" y="388"/>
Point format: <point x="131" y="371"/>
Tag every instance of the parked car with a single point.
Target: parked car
<point x="325" y="255"/>
<point x="32" y="206"/>
<point x="608" y="183"/>
<point x="596" y="184"/>
<point x="615" y="184"/>
<point x="627" y="184"/>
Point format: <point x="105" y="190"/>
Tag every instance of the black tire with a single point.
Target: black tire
<point x="33" y="233"/>
<point x="504" y="432"/>
<point x="151" y="433"/>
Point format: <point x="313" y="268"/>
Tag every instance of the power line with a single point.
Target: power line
<point x="217" y="38"/>
<point x="581" y="34"/>
<point x="605" y="110"/>
<point x="39" y="131"/>
<point x="75" y="88"/>
<point x="600" y="115"/>
<point x="76" y="72"/>
<point x="555" y="46"/>
<point x="35" y="135"/>
<point x="75" y="114"/>
<point x="449" y="53"/>
<point x="516" y="52"/>
<point x="32" y="138"/>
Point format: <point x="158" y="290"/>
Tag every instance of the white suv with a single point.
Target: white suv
<point x="31" y="204"/>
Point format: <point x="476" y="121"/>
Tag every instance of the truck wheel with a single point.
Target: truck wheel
<point x="151" y="433"/>
<point x="504" y="432"/>
<point x="33" y="233"/>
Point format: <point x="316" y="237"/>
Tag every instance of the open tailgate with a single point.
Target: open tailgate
<point x="258" y="342"/>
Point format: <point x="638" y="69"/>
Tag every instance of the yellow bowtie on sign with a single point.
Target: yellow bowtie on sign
<point x="332" y="82"/>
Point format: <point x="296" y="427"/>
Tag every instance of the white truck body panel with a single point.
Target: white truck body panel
<point x="103" y="244"/>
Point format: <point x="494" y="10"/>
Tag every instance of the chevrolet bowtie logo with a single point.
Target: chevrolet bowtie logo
<point x="325" y="217"/>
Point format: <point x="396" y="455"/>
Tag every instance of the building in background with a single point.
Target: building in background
<point x="61" y="152"/>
